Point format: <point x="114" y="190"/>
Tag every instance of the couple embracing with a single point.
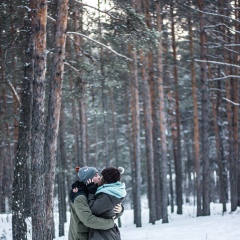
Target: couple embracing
<point x="95" y="203"/>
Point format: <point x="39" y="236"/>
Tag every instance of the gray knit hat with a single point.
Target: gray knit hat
<point x="86" y="173"/>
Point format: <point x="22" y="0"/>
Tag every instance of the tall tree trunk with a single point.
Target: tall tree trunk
<point x="153" y="142"/>
<point x="83" y="123"/>
<point x="162" y="121"/>
<point x="130" y="133"/>
<point x="96" y="141"/>
<point x="75" y="129"/>
<point x="104" y="110"/>
<point x="236" y="107"/>
<point x="54" y="108"/>
<point x="81" y="87"/>
<point x="114" y="128"/>
<point x="205" y="107"/>
<point x="156" y="134"/>
<point x="104" y="98"/>
<point x="219" y="146"/>
<point x="195" y="119"/>
<point x="136" y="140"/>
<point x="178" y="161"/>
<point x="62" y="167"/>
<point x="3" y="133"/>
<point x="21" y="203"/>
<point x="149" y="139"/>
<point x="235" y="84"/>
<point x="38" y="124"/>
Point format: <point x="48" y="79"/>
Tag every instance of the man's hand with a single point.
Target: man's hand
<point x="118" y="208"/>
<point x="91" y="186"/>
<point x="75" y="190"/>
<point x="89" y="181"/>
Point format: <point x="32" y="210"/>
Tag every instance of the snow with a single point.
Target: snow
<point x="180" y="227"/>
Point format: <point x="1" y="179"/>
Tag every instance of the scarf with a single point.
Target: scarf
<point x="116" y="189"/>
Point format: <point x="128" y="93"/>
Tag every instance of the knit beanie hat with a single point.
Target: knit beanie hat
<point x="112" y="174"/>
<point x="86" y="173"/>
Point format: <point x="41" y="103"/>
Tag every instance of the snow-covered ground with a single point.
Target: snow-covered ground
<point x="180" y="227"/>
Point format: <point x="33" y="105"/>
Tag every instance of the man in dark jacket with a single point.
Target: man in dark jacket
<point x="81" y="216"/>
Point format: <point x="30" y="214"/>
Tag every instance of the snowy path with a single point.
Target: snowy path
<point x="180" y="227"/>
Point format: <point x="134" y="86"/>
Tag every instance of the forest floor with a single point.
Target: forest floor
<point x="180" y="227"/>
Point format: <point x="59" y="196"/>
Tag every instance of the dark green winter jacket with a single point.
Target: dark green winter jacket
<point x="102" y="205"/>
<point x="82" y="219"/>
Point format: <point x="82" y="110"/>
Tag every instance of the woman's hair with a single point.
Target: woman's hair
<point x="111" y="174"/>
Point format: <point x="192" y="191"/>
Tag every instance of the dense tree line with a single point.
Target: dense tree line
<point x="148" y="85"/>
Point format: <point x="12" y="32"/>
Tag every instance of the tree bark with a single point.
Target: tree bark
<point x="205" y="117"/>
<point x="81" y="99"/>
<point x="162" y="121"/>
<point x="54" y="108"/>
<point x="136" y="139"/>
<point x="21" y="201"/>
<point x="219" y="146"/>
<point x="178" y="160"/>
<point x="149" y="139"/>
<point x="38" y="123"/>
<point x="62" y="168"/>
<point x="114" y="128"/>
<point x="195" y="119"/>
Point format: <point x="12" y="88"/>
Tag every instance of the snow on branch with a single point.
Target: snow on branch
<point x="85" y="54"/>
<point x="221" y="25"/>
<point x="237" y="104"/>
<point x="218" y="63"/>
<point x="110" y="49"/>
<point x="101" y="44"/>
<point x="225" y="77"/>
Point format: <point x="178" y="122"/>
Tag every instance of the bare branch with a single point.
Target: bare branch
<point x="15" y="94"/>
<point x="50" y="18"/>
<point x="75" y="69"/>
<point x="101" y="44"/>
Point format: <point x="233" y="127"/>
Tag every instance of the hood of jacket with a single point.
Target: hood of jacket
<point x="116" y="189"/>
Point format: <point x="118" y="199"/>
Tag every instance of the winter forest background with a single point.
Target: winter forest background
<point x="150" y="85"/>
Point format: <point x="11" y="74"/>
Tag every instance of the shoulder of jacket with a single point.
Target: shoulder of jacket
<point x="81" y="198"/>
